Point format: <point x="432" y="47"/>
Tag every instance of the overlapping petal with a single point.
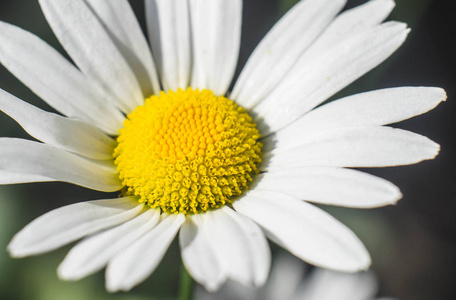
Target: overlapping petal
<point x="305" y="230"/>
<point x="69" y="223"/>
<point x="360" y="286"/>
<point x="31" y="158"/>
<point x="85" y="139"/>
<point x="8" y="177"/>
<point x="348" y="24"/>
<point x="89" y="45"/>
<point x="315" y="79"/>
<point x="198" y="256"/>
<point x="331" y="186"/>
<point x="216" y="38"/>
<point x="234" y="244"/>
<point x="280" y="49"/>
<point x="48" y="74"/>
<point x="121" y="24"/>
<point x="92" y="254"/>
<point x="127" y="269"/>
<point x="380" y="107"/>
<point x="355" y="146"/>
<point x="168" y="24"/>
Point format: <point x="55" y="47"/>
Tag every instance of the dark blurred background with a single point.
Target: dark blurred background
<point x="413" y="244"/>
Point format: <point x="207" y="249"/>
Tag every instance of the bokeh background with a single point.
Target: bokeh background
<point x="413" y="244"/>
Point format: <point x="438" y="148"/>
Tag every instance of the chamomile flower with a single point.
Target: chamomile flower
<point x="222" y="169"/>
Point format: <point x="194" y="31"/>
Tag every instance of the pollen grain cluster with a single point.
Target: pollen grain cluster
<point x="187" y="151"/>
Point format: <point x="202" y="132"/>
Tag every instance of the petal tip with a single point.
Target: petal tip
<point x="388" y="4"/>
<point x="365" y="264"/>
<point x="65" y="273"/>
<point x="13" y="252"/>
<point x="211" y="288"/>
<point x="444" y="95"/>
<point x="396" y="197"/>
<point x="114" y="284"/>
<point x="436" y="150"/>
<point x="113" y="287"/>
<point x="15" y="249"/>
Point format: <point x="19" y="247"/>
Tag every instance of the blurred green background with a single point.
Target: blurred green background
<point x="413" y="245"/>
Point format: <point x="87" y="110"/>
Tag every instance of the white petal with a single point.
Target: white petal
<point x="64" y="133"/>
<point x="49" y="75"/>
<point x="355" y="146"/>
<point x="286" y="276"/>
<point x="198" y="255"/>
<point x="69" y="223"/>
<point x="238" y="245"/>
<point x="120" y="22"/>
<point x="137" y="262"/>
<point x="89" y="45"/>
<point x="168" y="23"/>
<point x="13" y="178"/>
<point x="216" y="33"/>
<point x="333" y="186"/>
<point x="93" y="253"/>
<point x="305" y="230"/>
<point x="231" y="290"/>
<point x="281" y="48"/>
<point x="27" y="157"/>
<point x="328" y="285"/>
<point x="378" y="107"/>
<point x="312" y="82"/>
<point x="349" y="23"/>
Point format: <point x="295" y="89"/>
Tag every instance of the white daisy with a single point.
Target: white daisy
<point x="288" y="281"/>
<point x="187" y="159"/>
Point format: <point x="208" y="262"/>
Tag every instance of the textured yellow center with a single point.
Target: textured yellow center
<point x="187" y="151"/>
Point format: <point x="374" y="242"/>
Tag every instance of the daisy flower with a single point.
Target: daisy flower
<point x="289" y="281"/>
<point x="222" y="169"/>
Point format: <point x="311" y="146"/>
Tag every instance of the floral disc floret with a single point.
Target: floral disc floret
<point x="187" y="151"/>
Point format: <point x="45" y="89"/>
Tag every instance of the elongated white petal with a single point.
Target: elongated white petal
<point x="134" y="264"/>
<point x="305" y="230"/>
<point x="216" y="33"/>
<point x="378" y="107"/>
<point x="312" y="82"/>
<point x="49" y="75"/>
<point x="168" y="23"/>
<point x="281" y="48"/>
<point x="343" y="286"/>
<point x="286" y="277"/>
<point x="67" y="134"/>
<point x="198" y="255"/>
<point x="69" y="223"/>
<point x="349" y="23"/>
<point x="89" y="45"/>
<point x="333" y="186"/>
<point x="222" y="244"/>
<point x="120" y="22"/>
<point x="92" y="254"/>
<point x="231" y="290"/>
<point x="240" y="245"/>
<point x="356" y="146"/>
<point x="27" y="157"/>
<point x="13" y="178"/>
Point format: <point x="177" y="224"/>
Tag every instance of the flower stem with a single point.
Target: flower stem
<point x="185" y="285"/>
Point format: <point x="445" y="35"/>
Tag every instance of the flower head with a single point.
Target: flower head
<point x="224" y="169"/>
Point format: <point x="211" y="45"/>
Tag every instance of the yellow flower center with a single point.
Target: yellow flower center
<point x="187" y="151"/>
